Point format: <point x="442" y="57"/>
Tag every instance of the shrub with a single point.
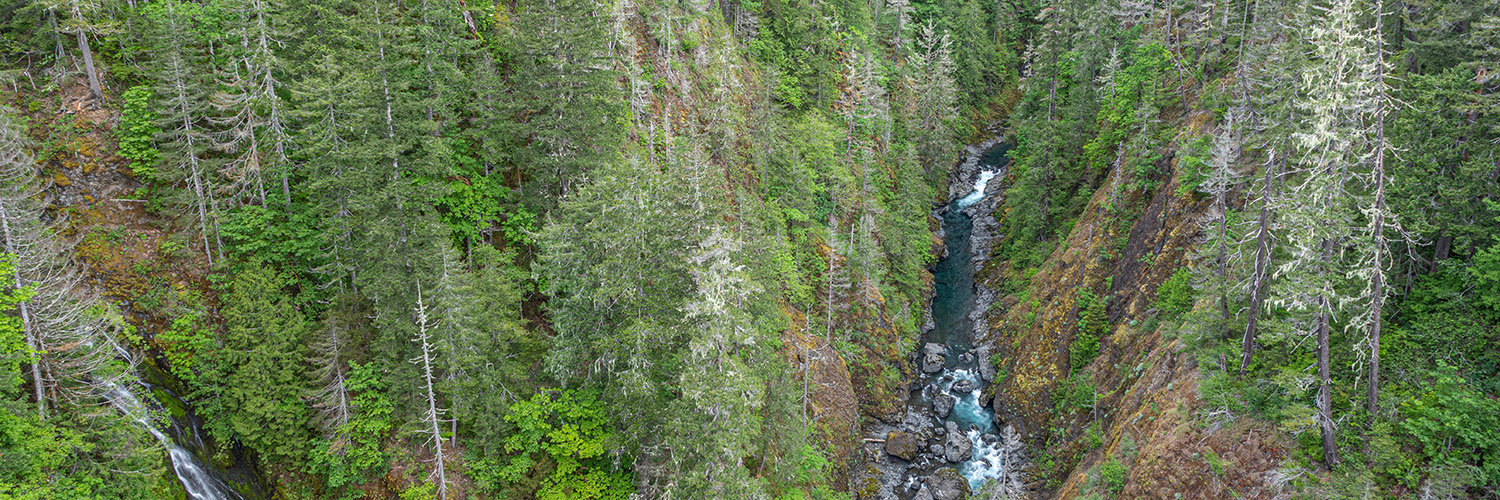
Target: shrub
<point x="1114" y="474"/>
<point x="1175" y="296"/>
<point x="136" y="131"/>
<point x="1092" y="324"/>
<point x="1454" y="424"/>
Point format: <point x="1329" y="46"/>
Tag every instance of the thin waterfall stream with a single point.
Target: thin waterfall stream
<point x="200" y="479"/>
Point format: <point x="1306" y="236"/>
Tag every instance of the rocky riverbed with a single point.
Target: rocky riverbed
<point x="948" y="442"/>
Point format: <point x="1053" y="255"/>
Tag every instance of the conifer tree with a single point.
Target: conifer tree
<point x="718" y="417"/>
<point x="570" y="103"/>
<point x="432" y="416"/>
<point x="932" y="98"/>
<point x="251" y="112"/>
<point x="184" y="138"/>
<point x="263" y="346"/>
<point x="1219" y="183"/>
<point x="1338" y="96"/>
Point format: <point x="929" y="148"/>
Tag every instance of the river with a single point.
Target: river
<point x="948" y="417"/>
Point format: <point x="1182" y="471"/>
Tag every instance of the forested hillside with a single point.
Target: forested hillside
<point x="433" y="249"/>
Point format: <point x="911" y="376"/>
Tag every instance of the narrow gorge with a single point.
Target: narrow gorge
<point x="949" y="441"/>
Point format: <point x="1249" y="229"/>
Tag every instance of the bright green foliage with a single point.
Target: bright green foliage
<point x="1135" y="93"/>
<point x="1077" y="392"/>
<point x="1175" y="295"/>
<point x="136" y="131"/>
<point x="68" y="456"/>
<point x="259" y="235"/>
<point x="1113" y="472"/>
<point x="13" y="348"/>
<point x="1454" y="424"/>
<point x="354" y="452"/>
<point x="187" y="342"/>
<point x="420" y="491"/>
<point x="565" y="432"/>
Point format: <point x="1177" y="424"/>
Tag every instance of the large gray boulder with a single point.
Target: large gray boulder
<point x="923" y="494"/>
<point x="942" y="404"/>
<point x="901" y="444"/>
<point x="958" y="447"/>
<point x="933" y="358"/>
<point x="932" y="363"/>
<point x="947" y="484"/>
<point x="963" y="387"/>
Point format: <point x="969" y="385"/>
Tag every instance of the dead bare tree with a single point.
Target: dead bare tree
<point x="433" y="417"/>
<point x="65" y="329"/>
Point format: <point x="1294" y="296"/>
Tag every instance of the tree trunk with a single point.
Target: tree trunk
<point x="1325" y="381"/>
<point x="34" y="343"/>
<point x="88" y="65"/>
<point x="1262" y="263"/>
<point x="1377" y="287"/>
<point x="432" y="411"/>
<point x="1441" y="247"/>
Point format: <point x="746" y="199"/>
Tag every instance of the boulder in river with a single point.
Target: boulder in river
<point x="935" y="348"/>
<point x="966" y="358"/>
<point x="947" y="484"/>
<point x="901" y="444"/>
<point x="963" y="386"/>
<point x="923" y="494"/>
<point x="936" y="449"/>
<point x="932" y="363"/>
<point x="958" y="447"/>
<point x="942" y="404"/>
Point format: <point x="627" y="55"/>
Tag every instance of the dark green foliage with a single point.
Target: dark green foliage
<point x="1093" y="325"/>
<point x="264" y="346"/>
<point x="802" y="50"/>
<point x="568" y="104"/>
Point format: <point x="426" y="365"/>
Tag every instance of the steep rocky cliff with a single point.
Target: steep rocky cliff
<point x="1141" y="389"/>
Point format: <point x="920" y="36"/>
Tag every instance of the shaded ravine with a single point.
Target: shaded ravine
<point x="949" y="441"/>
<point x="171" y="421"/>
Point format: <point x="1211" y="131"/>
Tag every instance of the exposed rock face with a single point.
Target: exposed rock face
<point x="986" y="369"/>
<point x="936" y="449"/>
<point x="958" y="447"/>
<point x="901" y="444"/>
<point x="947" y="484"/>
<point x="942" y="404"/>
<point x="923" y="494"/>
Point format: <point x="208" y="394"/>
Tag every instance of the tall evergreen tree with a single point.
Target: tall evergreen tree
<point x="184" y="136"/>
<point x="568" y="109"/>
<point x="264" y="347"/>
<point x="1339" y="95"/>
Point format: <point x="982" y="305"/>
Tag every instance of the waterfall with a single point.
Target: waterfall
<point x="196" y="476"/>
